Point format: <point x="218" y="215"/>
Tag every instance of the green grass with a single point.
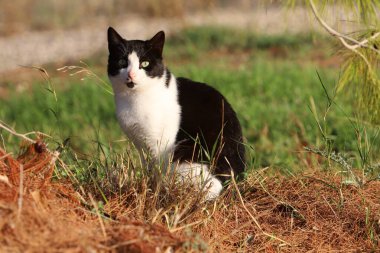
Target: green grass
<point x="270" y="81"/>
<point x="273" y="84"/>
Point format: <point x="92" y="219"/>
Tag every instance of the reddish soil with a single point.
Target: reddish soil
<point x="306" y="213"/>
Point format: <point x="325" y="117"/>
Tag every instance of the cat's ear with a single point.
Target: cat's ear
<point x="113" y="37"/>
<point x="157" y="42"/>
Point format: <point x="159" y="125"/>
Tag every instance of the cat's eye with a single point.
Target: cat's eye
<point x="122" y="62"/>
<point x="145" y="64"/>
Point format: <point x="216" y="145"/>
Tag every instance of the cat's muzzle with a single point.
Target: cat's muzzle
<point x="129" y="83"/>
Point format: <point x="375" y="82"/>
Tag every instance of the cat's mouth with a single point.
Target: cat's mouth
<point x="130" y="84"/>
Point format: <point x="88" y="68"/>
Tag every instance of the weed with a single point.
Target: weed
<point x="266" y="211"/>
<point x="270" y="95"/>
<point x="366" y="137"/>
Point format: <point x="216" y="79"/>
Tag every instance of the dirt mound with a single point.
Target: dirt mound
<point x="37" y="214"/>
<point x="307" y="213"/>
<point x="275" y="213"/>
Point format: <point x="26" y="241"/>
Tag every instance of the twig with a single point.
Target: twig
<point x="21" y="192"/>
<point x="242" y="201"/>
<point x="98" y="214"/>
<point x="250" y="214"/>
<point x="55" y="154"/>
<point x="322" y="181"/>
<point x="332" y="209"/>
<point x="121" y="244"/>
<point x="23" y="136"/>
<point x="69" y="172"/>
<point x="195" y="222"/>
<point x="357" y="52"/>
<point x="343" y="38"/>
<point x="365" y="41"/>
<point x="186" y="226"/>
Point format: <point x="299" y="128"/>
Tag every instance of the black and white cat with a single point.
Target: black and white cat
<point x="174" y="118"/>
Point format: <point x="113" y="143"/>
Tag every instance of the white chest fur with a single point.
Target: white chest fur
<point x="149" y="115"/>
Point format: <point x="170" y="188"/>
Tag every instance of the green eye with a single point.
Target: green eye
<point x="145" y="64"/>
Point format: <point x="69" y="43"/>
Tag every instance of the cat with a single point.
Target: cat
<point x="174" y="118"/>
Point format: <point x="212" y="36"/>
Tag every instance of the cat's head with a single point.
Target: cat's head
<point x="134" y="64"/>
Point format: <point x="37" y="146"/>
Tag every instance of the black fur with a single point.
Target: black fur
<point x="150" y="50"/>
<point x="208" y="122"/>
<point x="168" y="77"/>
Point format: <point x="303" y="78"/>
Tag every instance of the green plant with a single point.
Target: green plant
<point x="366" y="139"/>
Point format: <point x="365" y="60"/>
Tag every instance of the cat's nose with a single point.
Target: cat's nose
<point x="131" y="75"/>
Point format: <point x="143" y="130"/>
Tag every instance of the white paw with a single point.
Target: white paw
<point x="199" y="175"/>
<point x="213" y="188"/>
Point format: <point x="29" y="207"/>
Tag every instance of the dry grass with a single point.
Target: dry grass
<point x="40" y="214"/>
<point x="295" y="214"/>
